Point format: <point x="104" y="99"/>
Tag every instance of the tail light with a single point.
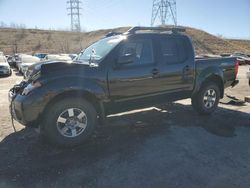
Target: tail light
<point x="237" y="67"/>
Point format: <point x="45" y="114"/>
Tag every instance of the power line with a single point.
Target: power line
<point x="165" y="10"/>
<point x="74" y="11"/>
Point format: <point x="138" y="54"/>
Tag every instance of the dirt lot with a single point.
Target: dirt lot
<point x="170" y="146"/>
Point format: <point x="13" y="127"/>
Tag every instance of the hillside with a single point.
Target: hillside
<point x="243" y="43"/>
<point x="31" y="41"/>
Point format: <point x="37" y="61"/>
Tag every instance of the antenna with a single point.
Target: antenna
<point x="165" y="10"/>
<point x="74" y="12"/>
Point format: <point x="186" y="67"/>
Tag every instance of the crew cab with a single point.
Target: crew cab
<point x="140" y="68"/>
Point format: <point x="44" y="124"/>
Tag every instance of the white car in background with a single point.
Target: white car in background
<point x="61" y="57"/>
<point x="73" y="56"/>
<point x="25" y="62"/>
<point x="41" y="56"/>
<point x="248" y="76"/>
<point x="4" y="66"/>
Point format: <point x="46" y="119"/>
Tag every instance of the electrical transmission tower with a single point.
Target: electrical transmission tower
<point x="165" y="10"/>
<point x="74" y="12"/>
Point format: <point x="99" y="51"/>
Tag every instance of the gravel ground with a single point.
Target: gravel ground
<point x="167" y="146"/>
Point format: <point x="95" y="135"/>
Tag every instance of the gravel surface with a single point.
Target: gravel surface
<point x="166" y="146"/>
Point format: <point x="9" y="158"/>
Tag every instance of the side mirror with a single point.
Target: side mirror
<point x="127" y="58"/>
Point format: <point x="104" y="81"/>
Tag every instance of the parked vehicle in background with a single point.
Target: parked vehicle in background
<point x="248" y="76"/>
<point x="25" y="61"/>
<point x="67" y="56"/>
<point x="73" y="56"/>
<point x="11" y="61"/>
<point x="17" y="59"/>
<point x="41" y="56"/>
<point x="241" y="61"/>
<point x="116" y="74"/>
<point x="225" y="55"/>
<point x="4" y="66"/>
<point x="242" y="57"/>
<point x="63" y="57"/>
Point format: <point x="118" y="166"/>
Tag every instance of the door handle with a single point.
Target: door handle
<point x="155" y="72"/>
<point x="186" y="73"/>
<point x="187" y="68"/>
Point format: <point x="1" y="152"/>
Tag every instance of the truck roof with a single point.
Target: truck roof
<point x="174" y="30"/>
<point x="150" y="31"/>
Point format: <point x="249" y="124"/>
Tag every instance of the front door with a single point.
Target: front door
<point x="136" y="78"/>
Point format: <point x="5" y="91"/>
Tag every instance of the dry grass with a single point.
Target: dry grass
<point x="243" y="43"/>
<point x="31" y="41"/>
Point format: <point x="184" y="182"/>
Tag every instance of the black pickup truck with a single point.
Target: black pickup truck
<point x="140" y="68"/>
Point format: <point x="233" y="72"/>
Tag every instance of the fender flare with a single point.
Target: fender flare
<point x="209" y="74"/>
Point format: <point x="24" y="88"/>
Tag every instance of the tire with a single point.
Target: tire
<point x="65" y="130"/>
<point x="206" y="101"/>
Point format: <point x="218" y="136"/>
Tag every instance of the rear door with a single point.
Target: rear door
<point x="176" y="63"/>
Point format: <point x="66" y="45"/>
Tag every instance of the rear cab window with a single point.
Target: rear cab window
<point x="173" y="49"/>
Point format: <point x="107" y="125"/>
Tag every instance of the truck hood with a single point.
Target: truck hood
<point x="46" y="67"/>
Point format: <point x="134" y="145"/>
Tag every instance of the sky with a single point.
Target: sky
<point x="228" y="18"/>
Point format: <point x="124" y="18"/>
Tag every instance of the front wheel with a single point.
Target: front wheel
<point x="70" y="122"/>
<point x="206" y="101"/>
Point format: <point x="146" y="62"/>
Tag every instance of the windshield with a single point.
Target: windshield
<point x="97" y="51"/>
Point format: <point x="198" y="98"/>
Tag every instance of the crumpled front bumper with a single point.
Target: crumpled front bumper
<point x="24" y="110"/>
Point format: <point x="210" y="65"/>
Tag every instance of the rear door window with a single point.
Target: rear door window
<point x="173" y="50"/>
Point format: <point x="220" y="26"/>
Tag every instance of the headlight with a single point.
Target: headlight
<point x="31" y="87"/>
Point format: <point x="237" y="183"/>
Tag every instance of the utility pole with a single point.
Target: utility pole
<point x="165" y="10"/>
<point x="74" y="12"/>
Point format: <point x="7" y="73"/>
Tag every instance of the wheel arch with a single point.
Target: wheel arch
<point x="213" y="78"/>
<point x="90" y="97"/>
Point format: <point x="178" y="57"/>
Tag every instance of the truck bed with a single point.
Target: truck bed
<point x="226" y="65"/>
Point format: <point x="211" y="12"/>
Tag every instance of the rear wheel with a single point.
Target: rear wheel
<point x="70" y="122"/>
<point x="207" y="99"/>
